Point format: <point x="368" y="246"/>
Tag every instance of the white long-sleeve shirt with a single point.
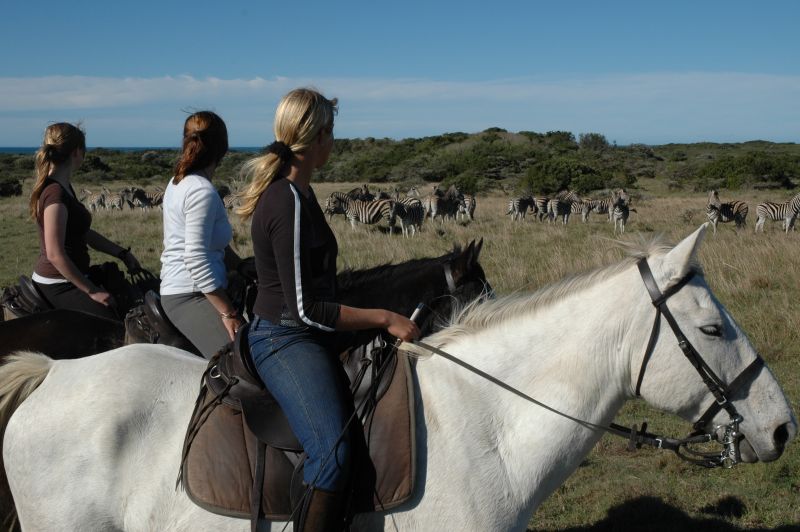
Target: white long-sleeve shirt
<point x="196" y="232"/>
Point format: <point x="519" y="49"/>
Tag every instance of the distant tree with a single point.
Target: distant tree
<point x="592" y="142"/>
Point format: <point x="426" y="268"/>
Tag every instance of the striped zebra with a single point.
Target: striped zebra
<point x="94" y="200"/>
<point x="336" y="201"/>
<point x="620" y="209"/>
<point x="558" y="208"/>
<point x="467" y="208"/>
<point x="231" y="201"/>
<point x="115" y="201"/>
<point x="411" y="216"/>
<point x="156" y="197"/>
<point x="518" y="207"/>
<point x="732" y="211"/>
<point x="776" y="211"/>
<point x="444" y="204"/>
<point x="365" y="212"/>
<point x="540" y="206"/>
<point x="600" y="206"/>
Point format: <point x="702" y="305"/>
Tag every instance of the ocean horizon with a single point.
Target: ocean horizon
<point x="26" y="150"/>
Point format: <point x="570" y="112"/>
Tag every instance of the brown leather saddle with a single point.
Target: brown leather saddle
<point x="24" y="299"/>
<point x="242" y="459"/>
<point x="148" y="323"/>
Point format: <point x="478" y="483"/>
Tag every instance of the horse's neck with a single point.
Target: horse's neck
<point x="573" y="356"/>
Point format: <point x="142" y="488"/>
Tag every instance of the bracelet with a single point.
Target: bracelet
<point x="123" y="253"/>
<point x="229" y="315"/>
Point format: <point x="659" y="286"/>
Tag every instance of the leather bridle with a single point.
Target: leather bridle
<point x="721" y="392"/>
<point x="729" y="456"/>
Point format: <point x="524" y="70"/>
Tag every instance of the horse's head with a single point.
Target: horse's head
<point x="671" y="382"/>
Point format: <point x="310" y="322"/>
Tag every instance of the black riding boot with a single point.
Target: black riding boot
<point x="322" y="511"/>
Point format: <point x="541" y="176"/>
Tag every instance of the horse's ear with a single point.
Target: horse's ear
<point x="477" y="251"/>
<point x="683" y="257"/>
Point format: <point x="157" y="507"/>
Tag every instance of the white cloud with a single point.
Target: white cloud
<point x="668" y="106"/>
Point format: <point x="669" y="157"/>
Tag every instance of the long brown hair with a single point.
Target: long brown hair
<point x="205" y="142"/>
<point x="300" y="116"/>
<point x="59" y="142"/>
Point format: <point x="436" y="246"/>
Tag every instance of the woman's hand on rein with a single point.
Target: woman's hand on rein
<point x="402" y="327"/>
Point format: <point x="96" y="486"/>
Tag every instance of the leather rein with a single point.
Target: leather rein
<point x="728" y="456"/>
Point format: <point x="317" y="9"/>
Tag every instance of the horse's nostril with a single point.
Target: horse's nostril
<point x="781" y="435"/>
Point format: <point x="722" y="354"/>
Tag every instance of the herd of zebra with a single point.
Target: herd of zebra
<point x="736" y="212"/>
<point x="565" y="203"/>
<point x="361" y="206"/>
<point x="135" y="197"/>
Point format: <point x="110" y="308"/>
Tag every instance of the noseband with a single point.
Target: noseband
<point x="722" y="393"/>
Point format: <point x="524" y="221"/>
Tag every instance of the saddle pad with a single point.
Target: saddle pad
<point x="219" y="469"/>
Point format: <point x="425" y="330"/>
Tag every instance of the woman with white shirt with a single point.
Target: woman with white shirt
<point x="196" y="235"/>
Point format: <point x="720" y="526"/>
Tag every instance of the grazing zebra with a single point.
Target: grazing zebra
<point x="540" y="205"/>
<point x="467" y="207"/>
<point x="336" y="201"/>
<point x="775" y="211"/>
<point x="518" y="207"/>
<point x="365" y="212"/>
<point x="600" y="206"/>
<point x="557" y="208"/>
<point x="94" y="200"/>
<point x="444" y="204"/>
<point x="156" y="197"/>
<point x="140" y="198"/>
<point x="411" y="216"/>
<point x="732" y="211"/>
<point x="114" y="201"/>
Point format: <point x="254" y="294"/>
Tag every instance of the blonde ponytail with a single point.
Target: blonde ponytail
<point x="260" y="171"/>
<point x="59" y="141"/>
<point x="300" y="116"/>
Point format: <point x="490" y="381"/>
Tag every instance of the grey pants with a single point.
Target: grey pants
<point x="198" y="320"/>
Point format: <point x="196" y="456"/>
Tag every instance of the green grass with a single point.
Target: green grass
<point x="756" y="277"/>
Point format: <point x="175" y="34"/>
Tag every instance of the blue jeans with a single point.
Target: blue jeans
<point x="305" y="377"/>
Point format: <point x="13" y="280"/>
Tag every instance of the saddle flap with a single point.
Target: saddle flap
<point x="167" y="332"/>
<point x="268" y="423"/>
<point x="31" y="295"/>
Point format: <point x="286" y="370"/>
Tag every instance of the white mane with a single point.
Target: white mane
<point x="481" y="314"/>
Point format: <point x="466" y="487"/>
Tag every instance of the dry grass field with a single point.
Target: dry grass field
<point x="756" y="276"/>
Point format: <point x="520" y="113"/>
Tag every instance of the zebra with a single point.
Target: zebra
<point x="411" y="216"/>
<point x="558" y="208"/>
<point x="732" y="211"/>
<point x="94" y="200"/>
<point x="444" y="204"/>
<point x="365" y="212"/>
<point x="620" y="209"/>
<point x="776" y="211"/>
<point x="336" y="201"/>
<point x="600" y="206"/>
<point x="518" y="207"/>
<point x="467" y="207"/>
<point x="156" y="197"/>
<point x="115" y="201"/>
<point x="540" y="205"/>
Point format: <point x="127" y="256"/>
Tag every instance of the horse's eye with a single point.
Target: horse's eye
<point x="712" y="330"/>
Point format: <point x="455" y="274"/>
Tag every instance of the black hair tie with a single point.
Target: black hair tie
<point x="281" y="149"/>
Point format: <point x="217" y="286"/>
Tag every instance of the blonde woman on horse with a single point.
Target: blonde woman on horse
<point x="296" y="311"/>
<point x="61" y="273"/>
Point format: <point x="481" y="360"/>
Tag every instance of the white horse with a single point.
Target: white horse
<point x="97" y="445"/>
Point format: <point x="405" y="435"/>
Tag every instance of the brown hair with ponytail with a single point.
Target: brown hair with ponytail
<point x="205" y="142"/>
<point x="59" y="142"/>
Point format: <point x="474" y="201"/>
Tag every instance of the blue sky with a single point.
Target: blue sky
<point x="632" y="71"/>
